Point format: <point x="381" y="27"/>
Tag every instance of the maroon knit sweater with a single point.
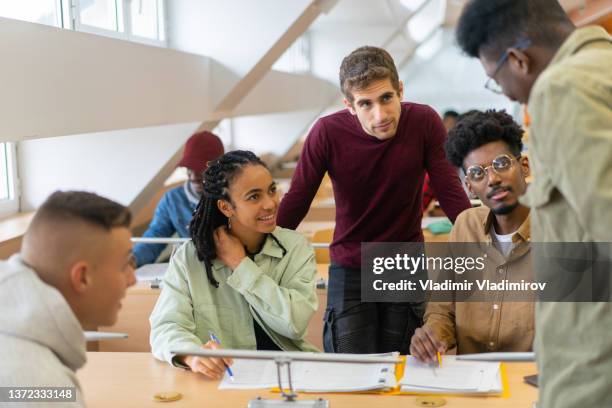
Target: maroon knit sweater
<point x="377" y="184"/>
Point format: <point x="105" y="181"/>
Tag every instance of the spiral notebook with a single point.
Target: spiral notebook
<point x="312" y="376"/>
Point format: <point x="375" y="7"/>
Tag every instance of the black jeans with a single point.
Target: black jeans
<point x="352" y="326"/>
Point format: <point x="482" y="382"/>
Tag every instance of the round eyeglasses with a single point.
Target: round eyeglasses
<point x="500" y="165"/>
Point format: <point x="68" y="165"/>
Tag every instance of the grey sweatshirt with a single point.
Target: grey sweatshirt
<point x="41" y="341"/>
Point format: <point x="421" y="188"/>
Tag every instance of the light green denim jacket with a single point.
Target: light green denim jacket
<point x="276" y="290"/>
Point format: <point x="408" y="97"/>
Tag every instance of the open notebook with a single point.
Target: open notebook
<point x="453" y="377"/>
<point x="312" y="376"/>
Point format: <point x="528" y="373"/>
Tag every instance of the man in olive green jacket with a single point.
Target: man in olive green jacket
<point x="532" y="53"/>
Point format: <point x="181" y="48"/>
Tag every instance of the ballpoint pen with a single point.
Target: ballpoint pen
<point x="214" y="338"/>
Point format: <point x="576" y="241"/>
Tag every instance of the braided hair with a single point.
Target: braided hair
<point x="207" y="216"/>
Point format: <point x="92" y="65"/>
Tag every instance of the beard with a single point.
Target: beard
<point x="506" y="209"/>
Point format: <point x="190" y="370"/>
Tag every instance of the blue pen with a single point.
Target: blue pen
<point x="214" y="338"/>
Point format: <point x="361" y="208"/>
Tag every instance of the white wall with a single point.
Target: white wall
<point x="114" y="164"/>
<point x="236" y="33"/>
<point x="284" y="92"/>
<point x="270" y="117"/>
<point x="352" y="24"/>
<point x="450" y="80"/>
<point x="59" y="82"/>
<point x="328" y="55"/>
<point x="272" y="133"/>
<point x="72" y="83"/>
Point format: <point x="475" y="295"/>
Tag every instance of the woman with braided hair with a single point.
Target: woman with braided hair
<point x="241" y="277"/>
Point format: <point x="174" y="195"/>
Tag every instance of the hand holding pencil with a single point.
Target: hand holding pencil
<point x="426" y="346"/>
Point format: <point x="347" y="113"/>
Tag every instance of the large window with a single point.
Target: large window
<point x="135" y="20"/>
<point x="35" y="11"/>
<point x="147" y="19"/>
<point x="104" y="14"/>
<point x="9" y="202"/>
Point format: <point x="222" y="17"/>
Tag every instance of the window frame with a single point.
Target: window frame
<point x="58" y="16"/>
<point x="68" y="17"/>
<point x="73" y="13"/>
<point x="160" y="24"/>
<point x="10" y="206"/>
<point x="77" y="25"/>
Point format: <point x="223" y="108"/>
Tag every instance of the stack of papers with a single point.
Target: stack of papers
<point x="454" y="376"/>
<point x="312" y="376"/>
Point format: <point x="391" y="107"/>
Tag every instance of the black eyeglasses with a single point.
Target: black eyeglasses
<point x="501" y="164"/>
<point x="491" y="83"/>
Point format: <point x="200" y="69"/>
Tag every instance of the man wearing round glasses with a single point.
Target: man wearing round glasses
<point x="479" y="177"/>
<point x="487" y="147"/>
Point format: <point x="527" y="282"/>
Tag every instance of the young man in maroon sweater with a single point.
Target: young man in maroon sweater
<point x="376" y="152"/>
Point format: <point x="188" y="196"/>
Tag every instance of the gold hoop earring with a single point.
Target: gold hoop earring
<point x="229" y="223"/>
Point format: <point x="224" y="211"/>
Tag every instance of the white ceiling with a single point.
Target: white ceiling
<point x="353" y="23"/>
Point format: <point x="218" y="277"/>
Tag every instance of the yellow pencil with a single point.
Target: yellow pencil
<point x="439" y="359"/>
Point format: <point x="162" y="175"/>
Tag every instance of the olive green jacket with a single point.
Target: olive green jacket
<point x="571" y="201"/>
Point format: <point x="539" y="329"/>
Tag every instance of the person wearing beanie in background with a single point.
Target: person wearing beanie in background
<point x="175" y="209"/>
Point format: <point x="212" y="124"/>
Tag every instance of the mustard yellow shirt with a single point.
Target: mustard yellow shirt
<point x="496" y="324"/>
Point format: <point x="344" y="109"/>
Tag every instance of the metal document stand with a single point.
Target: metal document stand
<point x="284" y="358"/>
<point x="289" y="399"/>
<point x="141" y="275"/>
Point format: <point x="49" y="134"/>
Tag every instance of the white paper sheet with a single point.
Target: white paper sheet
<point x="311" y="376"/>
<point x="151" y="272"/>
<point x="453" y="376"/>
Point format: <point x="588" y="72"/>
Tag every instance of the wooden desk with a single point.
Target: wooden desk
<point x="131" y="380"/>
<point x="308" y="228"/>
<point x="11" y="232"/>
<point x="429" y="237"/>
<point x="133" y="319"/>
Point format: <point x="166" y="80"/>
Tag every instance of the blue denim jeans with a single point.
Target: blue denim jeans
<point x="352" y="326"/>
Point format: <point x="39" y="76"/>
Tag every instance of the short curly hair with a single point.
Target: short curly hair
<point x="494" y="25"/>
<point x="365" y="65"/>
<point x="477" y="128"/>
